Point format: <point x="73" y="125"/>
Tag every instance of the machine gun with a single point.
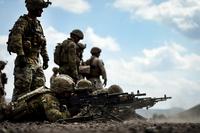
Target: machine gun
<point x="107" y="106"/>
<point x="148" y="102"/>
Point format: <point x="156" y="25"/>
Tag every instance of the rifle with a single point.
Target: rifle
<point x="107" y="106"/>
<point x="149" y="102"/>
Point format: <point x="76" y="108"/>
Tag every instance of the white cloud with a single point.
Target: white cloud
<point x="53" y="36"/>
<point x="3" y="40"/>
<point x="107" y="42"/>
<point x="75" y="6"/>
<point x="182" y="15"/>
<point x="169" y="69"/>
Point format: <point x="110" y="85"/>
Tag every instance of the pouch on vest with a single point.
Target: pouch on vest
<point x="84" y="69"/>
<point x="57" y="54"/>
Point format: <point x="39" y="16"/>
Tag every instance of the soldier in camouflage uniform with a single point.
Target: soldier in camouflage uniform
<point x="42" y="103"/>
<point x="29" y="42"/>
<point x="3" y="81"/>
<point x="79" y="52"/>
<point x="55" y="74"/>
<point x="69" y="60"/>
<point x="96" y="69"/>
<point x="79" y="58"/>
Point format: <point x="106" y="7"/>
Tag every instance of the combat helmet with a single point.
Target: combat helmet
<point x="95" y="50"/>
<point x="77" y="33"/>
<point x="32" y="5"/>
<point x="83" y="84"/>
<point x="55" y="70"/>
<point x="81" y="45"/>
<point x="2" y="63"/>
<point x="115" y="89"/>
<point x="62" y="83"/>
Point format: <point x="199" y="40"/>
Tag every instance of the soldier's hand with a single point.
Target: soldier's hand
<point x="105" y="82"/>
<point x="22" y="60"/>
<point x="45" y="65"/>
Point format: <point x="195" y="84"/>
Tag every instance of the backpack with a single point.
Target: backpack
<point x="57" y="54"/>
<point x="10" y="45"/>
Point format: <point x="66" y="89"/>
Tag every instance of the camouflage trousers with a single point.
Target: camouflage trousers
<point x="2" y="99"/>
<point x="27" y="79"/>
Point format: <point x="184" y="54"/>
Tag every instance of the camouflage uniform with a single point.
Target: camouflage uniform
<point x="3" y="81"/>
<point x="27" y="35"/>
<point x="97" y="69"/>
<point x="43" y="103"/>
<point x="79" y="57"/>
<point x="40" y="104"/>
<point x="69" y="60"/>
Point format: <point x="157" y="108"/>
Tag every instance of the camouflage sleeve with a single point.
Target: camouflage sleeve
<point x="44" y="49"/>
<point x="52" y="108"/>
<point x="44" y="52"/>
<point x="18" y="33"/>
<point x="102" y="68"/>
<point x="72" y="59"/>
<point x="1" y="85"/>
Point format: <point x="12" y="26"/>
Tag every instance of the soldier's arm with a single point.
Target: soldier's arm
<point x="1" y="85"/>
<point x="44" y="49"/>
<point x="102" y="68"/>
<point x="18" y="32"/>
<point x="72" y="60"/>
<point x="52" y="108"/>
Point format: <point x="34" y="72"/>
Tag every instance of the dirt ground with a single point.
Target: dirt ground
<point x="130" y="126"/>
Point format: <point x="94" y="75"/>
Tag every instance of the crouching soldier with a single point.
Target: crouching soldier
<point x="42" y="103"/>
<point x="3" y="81"/>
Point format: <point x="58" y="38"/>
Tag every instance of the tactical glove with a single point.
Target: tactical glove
<point x="45" y="65"/>
<point x="22" y="60"/>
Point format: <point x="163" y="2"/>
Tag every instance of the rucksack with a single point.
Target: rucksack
<point x="57" y="54"/>
<point x="10" y="45"/>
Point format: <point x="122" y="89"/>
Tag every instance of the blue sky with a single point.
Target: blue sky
<point x="150" y="45"/>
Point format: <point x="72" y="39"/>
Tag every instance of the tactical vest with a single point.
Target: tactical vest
<point x="32" y="37"/>
<point x="57" y="54"/>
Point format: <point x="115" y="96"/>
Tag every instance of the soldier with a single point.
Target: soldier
<point x="55" y="74"/>
<point x="115" y="89"/>
<point x="79" y="52"/>
<point x="68" y="63"/>
<point x="79" y="58"/>
<point x="3" y="81"/>
<point x="96" y="69"/>
<point x="42" y="103"/>
<point x="27" y="40"/>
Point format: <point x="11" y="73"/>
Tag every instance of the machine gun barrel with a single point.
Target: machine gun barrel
<point x="161" y="98"/>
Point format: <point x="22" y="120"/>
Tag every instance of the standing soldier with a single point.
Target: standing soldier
<point x="79" y="58"/>
<point x="79" y="52"/>
<point x="68" y="56"/>
<point x="96" y="69"/>
<point x="3" y="81"/>
<point x="27" y="40"/>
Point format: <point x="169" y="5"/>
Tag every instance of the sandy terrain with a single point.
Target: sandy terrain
<point x="130" y="126"/>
